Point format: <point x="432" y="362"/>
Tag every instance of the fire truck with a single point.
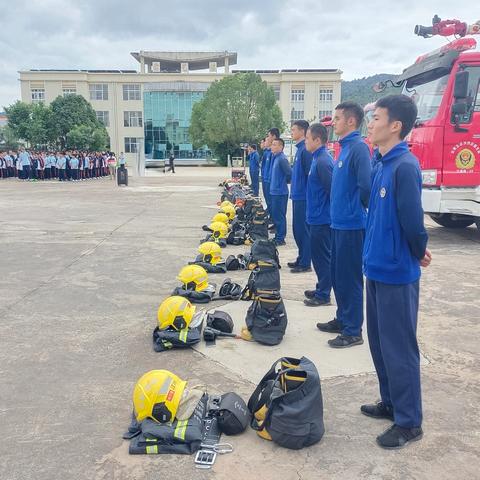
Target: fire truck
<point x="445" y="85"/>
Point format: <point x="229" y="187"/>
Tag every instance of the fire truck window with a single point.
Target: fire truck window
<point x="474" y="88"/>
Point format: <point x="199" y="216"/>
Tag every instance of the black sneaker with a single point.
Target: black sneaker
<point x="292" y="264"/>
<point x="397" y="437"/>
<point x="377" y="410"/>
<point x="309" y="293"/>
<point x="300" y="269"/>
<point x="316" y="302"/>
<point x="345" y="341"/>
<point x="333" y="326"/>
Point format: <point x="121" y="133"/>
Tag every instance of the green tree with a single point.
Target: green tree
<point x="85" y="137"/>
<point x="8" y="139"/>
<point x="19" y="115"/>
<point x="239" y="108"/>
<point x="69" y="112"/>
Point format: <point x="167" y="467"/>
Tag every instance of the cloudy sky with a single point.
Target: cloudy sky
<point x="360" y="38"/>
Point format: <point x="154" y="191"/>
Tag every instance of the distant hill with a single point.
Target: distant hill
<point x="360" y="89"/>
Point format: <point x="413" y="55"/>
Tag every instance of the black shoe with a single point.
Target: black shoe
<point x="333" y="326"/>
<point x="279" y="243"/>
<point x="292" y="264"/>
<point x="316" y="302"/>
<point x="377" y="410"/>
<point x="309" y="293"/>
<point x="397" y="437"/>
<point x="301" y="269"/>
<point x="345" y="341"/>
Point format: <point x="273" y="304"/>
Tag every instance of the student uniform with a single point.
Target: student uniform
<point x="395" y="243"/>
<point x="280" y="177"/>
<point x="298" y="194"/>
<point x="319" y="185"/>
<point x="348" y="200"/>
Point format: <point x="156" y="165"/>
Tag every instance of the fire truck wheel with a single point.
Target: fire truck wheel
<point x="452" y="221"/>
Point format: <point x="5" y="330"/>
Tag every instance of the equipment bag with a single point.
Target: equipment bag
<point x="264" y="278"/>
<point x="256" y="230"/>
<point x="264" y="250"/>
<point x="220" y="321"/>
<point x="233" y="415"/>
<point x="235" y="263"/>
<point x="266" y="318"/>
<point x="287" y="405"/>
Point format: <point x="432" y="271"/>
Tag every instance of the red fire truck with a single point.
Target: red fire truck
<point x="445" y="85"/>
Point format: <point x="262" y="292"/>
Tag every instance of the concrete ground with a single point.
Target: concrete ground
<point x="83" y="269"/>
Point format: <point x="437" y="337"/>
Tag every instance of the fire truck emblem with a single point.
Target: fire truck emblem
<point x="465" y="159"/>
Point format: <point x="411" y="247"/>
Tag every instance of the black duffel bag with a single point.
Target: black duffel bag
<point x="287" y="405"/>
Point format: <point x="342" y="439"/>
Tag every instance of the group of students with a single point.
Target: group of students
<point x="71" y="165"/>
<point x="359" y="215"/>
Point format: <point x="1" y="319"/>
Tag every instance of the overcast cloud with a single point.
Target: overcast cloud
<point x="360" y="38"/>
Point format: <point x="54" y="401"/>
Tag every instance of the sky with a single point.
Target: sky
<point x="360" y="38"/>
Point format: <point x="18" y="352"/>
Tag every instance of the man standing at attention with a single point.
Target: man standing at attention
<point x="318" y="214"/>
<point x="298" y="194"/>
<point x="253" y="167"/>
<point x="348" y="202"/>
<point x="395" y="248"/>
<point x="281" y="175"/>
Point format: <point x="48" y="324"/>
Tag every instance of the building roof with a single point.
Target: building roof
<point x="292" y="70"/>
<point x="171" y="61"/>
<point x="76" y="71"/>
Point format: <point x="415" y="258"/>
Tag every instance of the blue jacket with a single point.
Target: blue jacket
<point x="281" y="174"/>
<point x="396" y="239"/>
<point x="318" y="188"/>
<point x="300" y="170"/>
<point x="254" y="162"/>
<point x="267" y="153"/>
<point x="351" y="184"/>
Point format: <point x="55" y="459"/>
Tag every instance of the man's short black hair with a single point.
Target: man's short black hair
<point x="352" y="109"/>
<point x="274" y="132"/>
<point x="400" y="108"/>
<point x="319" y="131"/>
<point x="253" y="145"/>
<point x="280" y="140"/>
<point x="302" y="125"/>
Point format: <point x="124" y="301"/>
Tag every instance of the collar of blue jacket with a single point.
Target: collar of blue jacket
<point x="396" y="151"/>
<point x="351" y="137"/>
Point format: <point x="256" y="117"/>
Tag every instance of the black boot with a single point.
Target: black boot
<point x="397" y="437"/>
<point x="377" y="410"/>
<point x="333" y="326"/>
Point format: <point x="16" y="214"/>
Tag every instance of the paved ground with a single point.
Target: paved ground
<point x="83" y="268"/>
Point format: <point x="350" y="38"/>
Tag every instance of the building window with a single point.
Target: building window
<point x="38" y="95"/>
<point x="297" y="95"/>
<point x="99" y="91"/>
<point x="131" y="145"/>
<point x="132" y="119"/>
<point x="103" y="117"/>
<point x="297" y="115"/>
<point x="131" y="91"/>
<point x="325" y="105"/>
<point x="276" y="91"/>
<point x="69" y="91"/>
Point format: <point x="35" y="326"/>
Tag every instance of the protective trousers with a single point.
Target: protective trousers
<point x="320" y="240"/>
<point x="279" y="205"/>
<point x="300" y="232"/>
<point x="392" y="312"/>
<point x="266" y="195"/>
<point x="254" y="174"/>
<point x="347" y="278"/>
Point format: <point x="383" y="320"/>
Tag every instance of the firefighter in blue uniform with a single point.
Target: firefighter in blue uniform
<point x="265" y="166"/>
<point x="254" y="167"/>
<point x="298" y="194"/>
<point x="281" y="176"/>
<point x="395" y="248"/>
<point x="348" y="201"/>
<point x="318" y="214"/>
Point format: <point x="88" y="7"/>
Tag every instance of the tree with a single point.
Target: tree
<point x="67" y="122"/>
<point x="8" y="139"/>
<point x="239" y="108"/>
